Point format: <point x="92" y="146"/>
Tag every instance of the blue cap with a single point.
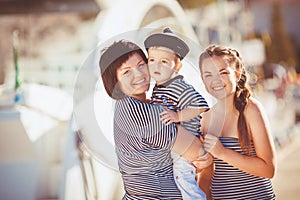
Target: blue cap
<point x="169" y="40"/>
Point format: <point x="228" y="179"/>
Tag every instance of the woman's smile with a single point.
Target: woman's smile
<point x="218" y="88"/>
<point x="133" y="76"/>
<point x="140" y="82"/>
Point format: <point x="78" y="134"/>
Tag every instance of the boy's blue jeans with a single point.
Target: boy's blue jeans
<point x="185" y="178"/>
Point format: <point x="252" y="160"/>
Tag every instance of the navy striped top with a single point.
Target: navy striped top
<point x="176" y="95"/>
<point x="143" y="147"/>
<point x="229" y="182"/>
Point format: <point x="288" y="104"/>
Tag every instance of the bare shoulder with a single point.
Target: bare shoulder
<point x="254" y="109"/>
<point x="205" y="121"/>
<point x="206" y="115"/>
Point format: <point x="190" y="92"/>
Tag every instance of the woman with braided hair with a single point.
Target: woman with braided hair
<point x="237" y="132"/>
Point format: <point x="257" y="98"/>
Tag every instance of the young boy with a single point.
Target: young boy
<point x="182" y="102"/>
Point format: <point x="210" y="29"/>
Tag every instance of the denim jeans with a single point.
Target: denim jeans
<point x="185" y="178"/>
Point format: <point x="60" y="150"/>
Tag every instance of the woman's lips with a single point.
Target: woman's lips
<point x="218" y="88"/>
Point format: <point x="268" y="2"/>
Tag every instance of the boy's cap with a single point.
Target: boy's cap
<point x="169" y="40"/>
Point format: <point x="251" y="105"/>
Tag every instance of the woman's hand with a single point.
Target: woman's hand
<point x="213" y="145"/>
<point x="168" y="117"/>
<point x="203" y="162"/>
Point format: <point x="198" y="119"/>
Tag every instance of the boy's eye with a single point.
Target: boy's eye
<point x="164" y="61"/>
<point x="151" y="60"/>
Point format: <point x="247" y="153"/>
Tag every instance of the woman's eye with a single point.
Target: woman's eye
<point x="207" y="74"/>
<point x="224" y="73"/>
<point x="143" y="65"/>
<point x="126" y="72"/>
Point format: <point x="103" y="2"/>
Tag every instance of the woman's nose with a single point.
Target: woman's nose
<point x="138" y="71"/>
<point x="217" y="79"/>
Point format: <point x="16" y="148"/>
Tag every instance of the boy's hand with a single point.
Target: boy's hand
<point x="168" y="117"/>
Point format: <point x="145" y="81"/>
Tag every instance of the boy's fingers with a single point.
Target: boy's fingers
<point x="168" y="122"/>
<point x="163" y="113"/>
<point x="164" y="118"/>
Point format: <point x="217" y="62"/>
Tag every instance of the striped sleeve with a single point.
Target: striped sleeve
<point x="143" y="120"/>
<point x="190" y="98"/>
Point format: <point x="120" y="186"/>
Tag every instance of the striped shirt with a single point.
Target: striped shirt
<point x="229" y="182"/>
<point x="177" y="95"/>
<point x="143" y="147"/>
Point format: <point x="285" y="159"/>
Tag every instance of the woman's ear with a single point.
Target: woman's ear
<point x="237" y="75"/>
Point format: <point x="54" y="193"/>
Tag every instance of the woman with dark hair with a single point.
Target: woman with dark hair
<point x="236" y="131"/>
<point x="143" y="143"/>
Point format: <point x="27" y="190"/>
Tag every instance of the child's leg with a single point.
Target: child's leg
<point x="185" y="178"/>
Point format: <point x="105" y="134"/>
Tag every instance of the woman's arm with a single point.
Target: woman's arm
<point x="142" y="120"/>
<point x="204" y="180"/>
<point x="145" y="123"/>
<point x="262" y="139"/>
<point x="264" y="164"/>
<point x="205" y="175"/>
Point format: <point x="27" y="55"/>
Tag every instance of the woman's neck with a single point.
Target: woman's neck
<point x="141" y="97"/>
<point x="226" y="105"/>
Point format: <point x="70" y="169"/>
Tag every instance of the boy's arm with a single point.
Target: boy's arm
<point x="189" y="113"/>
<point x="169" y="116"/>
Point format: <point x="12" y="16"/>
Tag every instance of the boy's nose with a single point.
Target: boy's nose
<point x="155" y="65"/>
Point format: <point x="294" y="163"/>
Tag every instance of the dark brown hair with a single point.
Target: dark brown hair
<point x="242" y="93"/>
<point x="111" y="59"/>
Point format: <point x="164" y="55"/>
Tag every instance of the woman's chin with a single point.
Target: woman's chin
<point x="139" y="91"/>
<point x="220" y="95"/>
<point x="143" y="88"/>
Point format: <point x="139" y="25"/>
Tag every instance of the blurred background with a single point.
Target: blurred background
<point x="43" y="45"/>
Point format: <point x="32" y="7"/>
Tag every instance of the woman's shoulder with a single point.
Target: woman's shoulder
<point x="254" y="107"/>
<point x="207" y="114"/>
<point x="206" y="117"/>
<point x="130" y="102"/>
<point x="135" y="105"/>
